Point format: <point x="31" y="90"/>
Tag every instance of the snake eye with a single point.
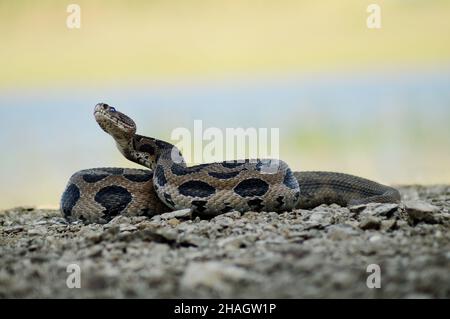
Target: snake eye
<point x="112" y="109"/>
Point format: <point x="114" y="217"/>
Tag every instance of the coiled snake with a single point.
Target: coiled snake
<point x="99" y="194"/>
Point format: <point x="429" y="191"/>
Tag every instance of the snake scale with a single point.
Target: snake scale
<point x="100" y="194"/>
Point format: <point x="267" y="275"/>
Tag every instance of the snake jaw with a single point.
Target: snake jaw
<point x="114" y="122"/>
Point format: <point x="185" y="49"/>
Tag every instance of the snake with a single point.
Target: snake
<point x="168" y="184"/>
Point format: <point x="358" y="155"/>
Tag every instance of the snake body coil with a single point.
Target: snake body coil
<point x="97" y="195"/>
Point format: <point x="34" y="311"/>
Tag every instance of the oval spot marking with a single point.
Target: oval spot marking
<point x="93" y="178"/>
<point x="221" y="175"/>
<point x="180" y="170"/>
<point x="162" y="145"/>
<point x="196" y="189"/>
<point x="258" y="166"/>
<point x="147" y="148"/>
<point x="251" y="187"/>
<point x="139" y="178"/>
<point x="233" y="164"/>
<point x="290" y="180"/>
<point x="160" y="176"/>
<point x="114" y="199"/>
<point x="69" y="198"/>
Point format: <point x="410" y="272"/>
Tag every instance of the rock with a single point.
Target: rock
<point x="421" y="211"/>
<point x="110" y="233"/>
<point x="389" y="224"/>
<point x="13" y="229"/>
<point x="236" y="242"/>
<point x="402" y="224"/>
<point x="94" y="237"/>
<point x="233" y="214"/>
<point x="192" y="240"/>
<point x="370" y="222"/>
<point x="375" y="238"/>
<point x="385" y="209"/>
<point x="127" y="227"/>
<point x="41" y="222"/>
<point x="167" y="233"/>
<point x="38" y="231"/>
<point x="156" y="218"/>
<point x="120" y="219"/>
<point x="112" y="230"/>
<point x="223" y="221"/>
<point x="146" y="225"/>
<point x="358" y="208"/>
<point x="59" y="220"/>
<point x="173" y="222"/>
<point x="182" y="213"/>
<point x="322" y="218"/>
<point x="375" y="209"/>
<point x="233" y="242"/>
<point x="24" y="208"/>
<point x="95" y="251"/>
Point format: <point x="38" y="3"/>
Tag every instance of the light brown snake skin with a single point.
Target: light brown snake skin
<point x="97" y="195"/>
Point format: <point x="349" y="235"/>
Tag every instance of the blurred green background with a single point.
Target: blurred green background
<point x="371" y="102"/>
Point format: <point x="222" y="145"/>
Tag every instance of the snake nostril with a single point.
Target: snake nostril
<point x="105" y="106"/>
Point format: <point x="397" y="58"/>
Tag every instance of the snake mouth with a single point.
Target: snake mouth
<point x="108" y="116"/>
<point x="114" y="122"/>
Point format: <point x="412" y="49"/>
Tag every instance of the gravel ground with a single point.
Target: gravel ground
<point x="316" y="253"/>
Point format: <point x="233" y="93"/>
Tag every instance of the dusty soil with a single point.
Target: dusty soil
<point x="323" y="252"/>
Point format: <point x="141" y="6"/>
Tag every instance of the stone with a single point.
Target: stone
<point x="370" y="222"/>
<point x="121" y="219"/>
<point x="37" y="231"/>
<point x="421" y="211"/>
<point x="375" y="238"/>
<point x="223" y="221"/>
<point x="167" y="233"/>
<point x="192" y="240"/>
<point x="13" y="229"/>
<point x="127" y="227"/>
<point x="182" y="213"/>
<point x="321" y="217"/>
<point x="111" y="230"/>
<point x="389" y="224"/>
<point x="173" y="222"/>
<point x="375" y="209"/>
<point x="356" y="209"/>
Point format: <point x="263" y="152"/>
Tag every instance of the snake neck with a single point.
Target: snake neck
<point x="148" y="151"/>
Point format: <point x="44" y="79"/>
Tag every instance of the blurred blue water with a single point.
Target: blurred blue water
<point x="50" y="133"/>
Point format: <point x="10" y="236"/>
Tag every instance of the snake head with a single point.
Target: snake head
<point x="113" y="122"/>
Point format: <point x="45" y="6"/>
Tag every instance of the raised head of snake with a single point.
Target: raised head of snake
<point x="113" y="122"/>
<point x="143" y="150"/>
